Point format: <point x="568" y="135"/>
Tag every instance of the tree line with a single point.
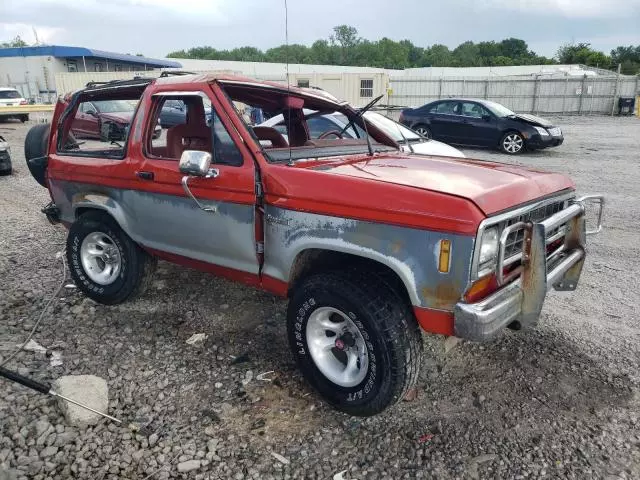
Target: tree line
<point x="345" y="47"/>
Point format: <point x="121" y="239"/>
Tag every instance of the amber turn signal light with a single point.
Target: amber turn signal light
<point x="445" y="256"/>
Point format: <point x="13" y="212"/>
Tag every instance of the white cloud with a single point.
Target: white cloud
<point x="113" y="9"/>
<point x="571" y="8"/>
<point x="46" y="34"/>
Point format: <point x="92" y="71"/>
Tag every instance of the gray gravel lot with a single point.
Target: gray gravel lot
<point x="560" y="401"/>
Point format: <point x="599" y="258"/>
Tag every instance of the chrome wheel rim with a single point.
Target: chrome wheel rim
<point x="337" y="347"/>
<point x="512" y="143"/>
<point x="100" y="257"/>
<point x="423" y="131"/>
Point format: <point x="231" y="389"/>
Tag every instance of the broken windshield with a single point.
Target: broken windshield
<point x="295" y="125"/>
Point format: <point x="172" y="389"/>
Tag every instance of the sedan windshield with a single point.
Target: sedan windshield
<point x="111" y="106"/>
<point x="391" y="127"/>
<point x="499" y="110"/>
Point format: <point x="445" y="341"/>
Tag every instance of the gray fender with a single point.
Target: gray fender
<point x="101" y="201"/>
<point x="411" y="253"/>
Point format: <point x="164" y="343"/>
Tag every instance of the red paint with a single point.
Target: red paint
<point x="491" y="186"/>
<point x="265" y="282"/>
<point x="435" y="321"/>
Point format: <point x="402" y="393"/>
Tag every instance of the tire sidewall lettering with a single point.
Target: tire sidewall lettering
<point x="360" y="393"/>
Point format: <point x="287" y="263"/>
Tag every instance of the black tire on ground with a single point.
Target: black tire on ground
<point x="136" y="266"/>
<point x="36" y="150"/>
<point x="423" y="130"/>
<point x="512" y="143"/>
<point x="6" y="172"/>
<point x="24" y="118"/>
<point x="387" y="325"/>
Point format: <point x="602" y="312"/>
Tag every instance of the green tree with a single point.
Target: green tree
<point x="17" y="41"/>
<point x="584" y="54"/>
<point x="628" y="57"/>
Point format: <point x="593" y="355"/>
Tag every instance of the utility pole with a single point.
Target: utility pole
<point x="615" y="91"/>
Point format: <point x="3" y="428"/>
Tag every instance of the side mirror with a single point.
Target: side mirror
<point x="195" y="163"/>
<point x="486" y="118"/>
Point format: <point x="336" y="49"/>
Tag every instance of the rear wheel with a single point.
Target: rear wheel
<point x="423" y="130"/>
<point x="104" y="262"/>
<point x="512" y="143"/>
<point x="24" y="118"/>
<point x="355" y="341"/>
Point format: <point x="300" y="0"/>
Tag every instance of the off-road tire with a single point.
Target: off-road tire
<point x="385" y="320"/>
<point x="137" y="266"/>
<point x="36" y="150"/>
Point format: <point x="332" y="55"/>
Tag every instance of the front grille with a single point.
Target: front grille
<point x="513" y="245"/>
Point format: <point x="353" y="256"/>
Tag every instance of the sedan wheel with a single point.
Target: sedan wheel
<point x="512" y="143"/>
<point x="424" y="131"/>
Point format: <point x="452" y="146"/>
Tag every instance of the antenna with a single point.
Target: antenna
<point x="286" y="41"/>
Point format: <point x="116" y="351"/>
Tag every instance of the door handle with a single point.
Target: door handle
<point x="145" y="175"/>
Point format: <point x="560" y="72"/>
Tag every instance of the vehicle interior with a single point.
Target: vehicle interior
<point x="72" y="136"/>
<point x="297" y="140"/>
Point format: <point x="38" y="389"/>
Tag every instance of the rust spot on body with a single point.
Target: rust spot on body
<point x="444" y="295"/>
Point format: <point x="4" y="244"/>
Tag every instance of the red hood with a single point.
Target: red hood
<point x="491" y="186"/>
<point x="119" y="117"/>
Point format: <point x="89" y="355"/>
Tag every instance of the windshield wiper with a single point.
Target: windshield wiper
<point x="359" y="114"/>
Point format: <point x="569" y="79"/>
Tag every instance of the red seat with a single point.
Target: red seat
<point x="272" y="135"/>
<point x="192" y="135"/>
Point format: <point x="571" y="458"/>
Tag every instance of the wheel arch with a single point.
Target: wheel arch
<point x="316" y="260"/>
<point x="85" y="202"/>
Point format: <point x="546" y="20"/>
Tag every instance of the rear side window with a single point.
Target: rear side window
<point x="446" y="108"/>
<point x="7" y="94"/>
<point x="98" y="128"/>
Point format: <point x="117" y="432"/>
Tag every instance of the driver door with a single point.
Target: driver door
<point x="168" y="220"/>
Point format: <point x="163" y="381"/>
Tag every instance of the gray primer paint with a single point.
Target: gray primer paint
<point x="170" y="223"/>
<point x="412" y="253"/>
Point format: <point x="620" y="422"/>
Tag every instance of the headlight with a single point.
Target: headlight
<point x="542" y="131"/>
<point x="488" y="251"/>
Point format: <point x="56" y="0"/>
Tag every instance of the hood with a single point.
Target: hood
<point x="493" y="187"/>
<point x="534" y="120"/>
<point x="433" y="147"/>
<point x="119" y="117"/>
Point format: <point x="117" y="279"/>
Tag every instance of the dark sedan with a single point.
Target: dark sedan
<point x="174" y="112"/>
<point x="481" y="123"/>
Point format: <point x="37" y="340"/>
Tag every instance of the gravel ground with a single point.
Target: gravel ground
<point x="561" y="401"/>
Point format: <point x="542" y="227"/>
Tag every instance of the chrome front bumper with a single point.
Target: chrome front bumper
<point x="521" y="298"/>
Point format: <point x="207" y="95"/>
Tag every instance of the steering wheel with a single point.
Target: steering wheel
<point x="331" y="132"/>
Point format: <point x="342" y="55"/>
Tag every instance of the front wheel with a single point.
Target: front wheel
<point x="355" y="341"/>
<point x="104" y="262"/>
<point x="512" y="143"/>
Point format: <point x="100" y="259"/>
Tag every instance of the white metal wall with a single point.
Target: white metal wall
<point x="583" y="95"/>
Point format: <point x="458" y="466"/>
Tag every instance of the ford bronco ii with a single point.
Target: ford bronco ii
<point x="368" y="243"/>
